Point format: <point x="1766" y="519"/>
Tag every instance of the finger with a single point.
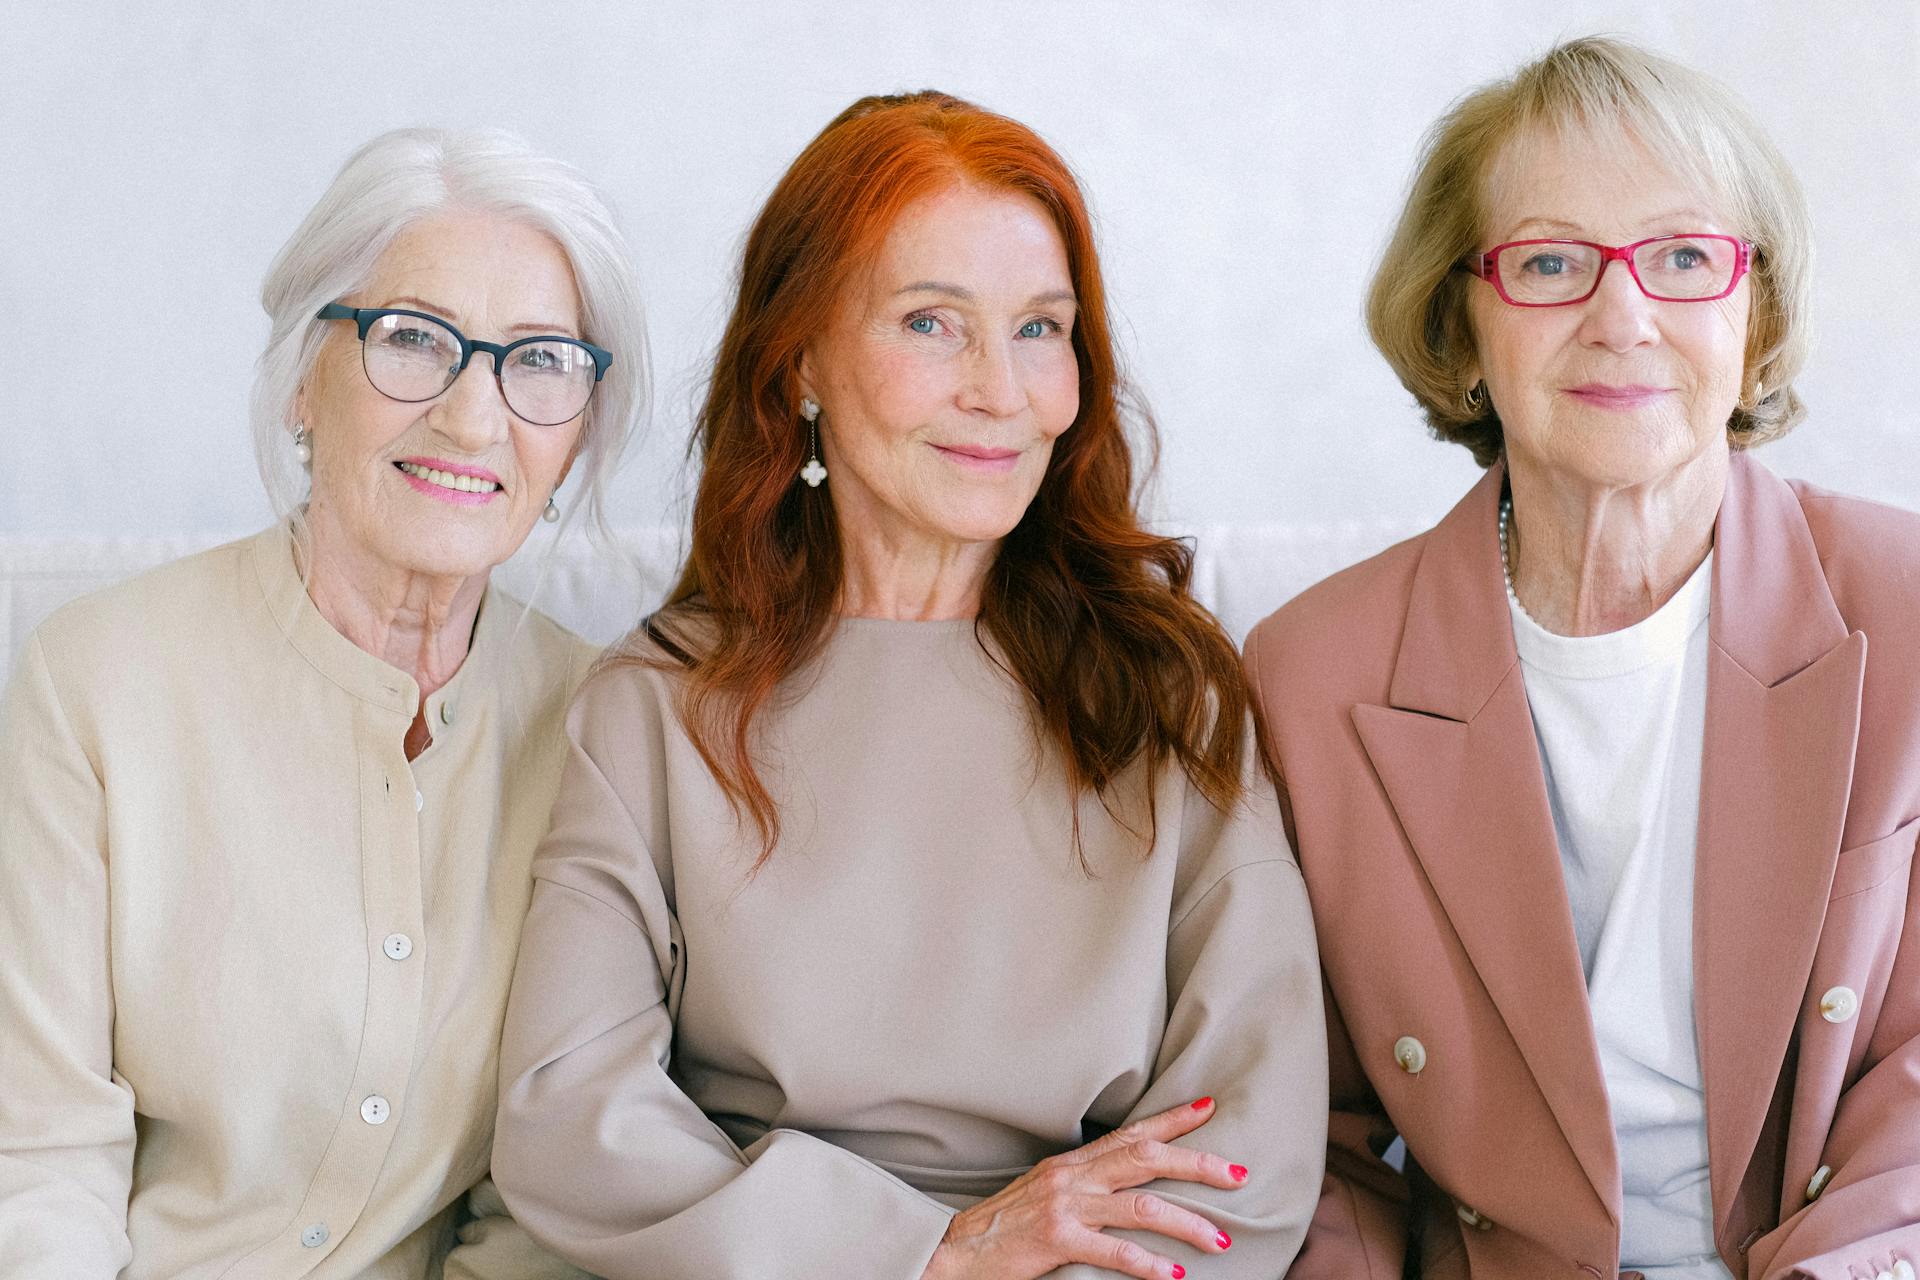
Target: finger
<point x="1146" y="1160"/>
<point x="1162" y="1126"/>
<point x="1142" y="1211"/>
<point x="1096" y="1248"/>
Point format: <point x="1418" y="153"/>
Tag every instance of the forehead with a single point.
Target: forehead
<point x="486" y="268"/>
<point x="1590" y="182"/>
<point x="978" y="237"/>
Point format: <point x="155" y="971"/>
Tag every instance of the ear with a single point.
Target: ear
<point x="805" y="374"/>
<point x="573" y="456"/>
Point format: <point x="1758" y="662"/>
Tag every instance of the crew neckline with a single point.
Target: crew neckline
<point x="1661" y="636"/>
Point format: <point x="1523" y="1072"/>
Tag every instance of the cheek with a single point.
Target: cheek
<point x="1053" y="389"/>
<point x="895" y="394"/>
<point x="541" y="454"/>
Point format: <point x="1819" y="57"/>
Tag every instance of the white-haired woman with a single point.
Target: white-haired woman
<point x="266" y="813"/>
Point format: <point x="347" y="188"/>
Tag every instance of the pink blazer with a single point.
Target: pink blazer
<point x="1413" y="792"/>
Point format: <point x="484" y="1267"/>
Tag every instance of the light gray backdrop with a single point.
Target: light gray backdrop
<point x="1244" y="161"/>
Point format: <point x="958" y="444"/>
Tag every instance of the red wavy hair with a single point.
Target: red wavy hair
<point x="1091" y="614"/>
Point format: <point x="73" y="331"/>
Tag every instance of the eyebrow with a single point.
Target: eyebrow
<point x="1574" y="231"/>
<point x="967" y="295"/>
<point x="422" y="304"/>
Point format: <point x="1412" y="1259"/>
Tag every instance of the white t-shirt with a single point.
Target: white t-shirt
<point x="1620" y="719"/>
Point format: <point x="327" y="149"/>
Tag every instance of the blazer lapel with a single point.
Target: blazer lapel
<point x="1456" y="754"/>
<point x="1783" y="712"/>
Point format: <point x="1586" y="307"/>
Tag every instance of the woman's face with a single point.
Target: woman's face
<point x="493" y="279"/>
<point x="1619" y="390"/>
<point x="945" y="376"/>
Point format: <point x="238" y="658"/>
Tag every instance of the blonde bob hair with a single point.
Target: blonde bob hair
<point x="1613" y="93"/>
<point x="390" y="183"/>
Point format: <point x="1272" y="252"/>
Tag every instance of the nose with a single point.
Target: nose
<point x="472" y="414"/>
<point x="993" y="385"/>
<point x="1618" y="317"/>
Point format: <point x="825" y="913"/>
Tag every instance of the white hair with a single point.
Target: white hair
<point x="392" y="182"/>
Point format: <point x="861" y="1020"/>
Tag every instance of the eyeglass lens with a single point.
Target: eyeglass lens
<point x="411" y="358"/>
<point x="1677" y="270"/>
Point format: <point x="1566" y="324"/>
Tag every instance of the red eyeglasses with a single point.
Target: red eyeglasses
<point x="1559" y="273"/>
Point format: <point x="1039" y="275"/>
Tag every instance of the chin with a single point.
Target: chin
<point x="1619" y="455"/>
<point x="980" y="526"/>
<point x="450" y="553"/>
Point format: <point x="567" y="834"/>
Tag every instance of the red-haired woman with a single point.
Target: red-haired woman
<point x="914" y="895"/>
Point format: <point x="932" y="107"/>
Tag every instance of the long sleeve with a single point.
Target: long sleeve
<point x="66" y="1119"/>
<point x="598" y="1152"/>
<point x="1245" y="1027"/>
<point x="1359" y="1227"/>
<point x="492" y="1246"/>
<point x="1868" y="1215"/>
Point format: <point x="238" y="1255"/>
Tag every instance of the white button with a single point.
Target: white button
<point x="375" y="1110"/>
<point x="398" y="946"/>
<point x="314" y="1236"/>
<point x="446" y="713"/>
<point x="1473" y="1218"/>
<point x="1839" y="1004"/>
<point x="419" y="802"/>
<point x="1884" y="1275"/>
<point x="1818" y="1183"/>
<point x="1410" y="1054"/>
<point x="1903" y="1270"/>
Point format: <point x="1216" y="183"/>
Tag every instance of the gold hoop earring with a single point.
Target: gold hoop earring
<point x="1475" y="400"/>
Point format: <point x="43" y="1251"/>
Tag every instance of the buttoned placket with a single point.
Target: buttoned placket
<point x="374" y="1105"/>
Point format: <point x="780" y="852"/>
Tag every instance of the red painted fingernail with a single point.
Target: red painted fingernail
<point x="1224" y="1240"/>
<point x="1179" y="1272"/>
<point x="1238" y="1172"/>
<point x="1203" y="1104"/>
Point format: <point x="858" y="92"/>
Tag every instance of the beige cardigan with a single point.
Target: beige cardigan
<point x="806" y="1072"/>
<point x="255" y="960"/>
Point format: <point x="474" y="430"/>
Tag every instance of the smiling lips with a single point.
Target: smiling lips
<point x="978" y="457"/>
<point x="1603" y="395"/>
<point x="450" y="482"/>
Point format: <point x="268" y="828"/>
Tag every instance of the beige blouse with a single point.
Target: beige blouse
<point x="254" y="960"/>
<point x="806" y="1072"/>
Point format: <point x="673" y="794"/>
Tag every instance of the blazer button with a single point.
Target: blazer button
<point x="1818" y="1182"/>
<point x="1903" y="1270"/>
<point x="1410" y="1054"/>
<point x="1839" y="1004"/>
<point x="1473" y="1218"/>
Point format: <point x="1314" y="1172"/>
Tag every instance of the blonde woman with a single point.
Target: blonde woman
<point x="1606" y="787"/>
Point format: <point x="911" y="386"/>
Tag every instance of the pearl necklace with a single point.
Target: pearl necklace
<point x="1506" y="561"/>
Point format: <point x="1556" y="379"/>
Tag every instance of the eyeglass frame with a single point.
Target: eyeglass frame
<point x="364" y="318"/>
<point x="1486" y="266"/>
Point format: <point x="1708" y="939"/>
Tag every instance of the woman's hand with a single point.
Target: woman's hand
<point x="1054" y="1214"/>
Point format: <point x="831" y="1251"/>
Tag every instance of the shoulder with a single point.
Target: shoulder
<point x="182" y="606"/>
<point x="1870" y="554"/>
<point x="547" y="659"/>
<point x="1349" y="621"/>
<point x="629" y="695"/>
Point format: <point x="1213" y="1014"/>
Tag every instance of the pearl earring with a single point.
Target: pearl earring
<point x="302" y="451"/>
<point x="552" y="514"/>
<point x="815" y="471"/>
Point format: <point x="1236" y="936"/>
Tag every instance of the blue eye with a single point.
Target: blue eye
<point x="1546" y="264"/>
<point x="1036" y="328"/>
<point x="921" y="324"/>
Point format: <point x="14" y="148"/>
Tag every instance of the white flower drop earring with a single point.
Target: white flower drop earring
<point x="302" y="451"/>
<point x="815" y="471"/>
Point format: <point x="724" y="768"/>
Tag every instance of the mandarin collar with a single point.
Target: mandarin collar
<point x="352" y="668"/>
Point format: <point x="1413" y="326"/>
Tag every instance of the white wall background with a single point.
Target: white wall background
<point x="1244" y="159"/>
